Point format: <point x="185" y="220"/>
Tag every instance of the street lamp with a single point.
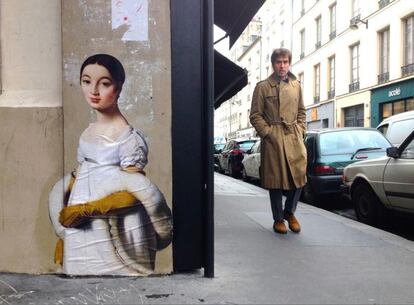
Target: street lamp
<point x="354" y="23"/>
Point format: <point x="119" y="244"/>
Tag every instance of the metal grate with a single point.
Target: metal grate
<point x="407" y="70"/>
<point x="384" y="77"/>
<point x="354" y="86"/>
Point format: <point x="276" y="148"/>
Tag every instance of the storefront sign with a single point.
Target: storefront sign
<point x="394" y="92"/>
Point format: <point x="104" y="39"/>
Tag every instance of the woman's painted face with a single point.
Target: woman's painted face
<point x="99" y="88"/>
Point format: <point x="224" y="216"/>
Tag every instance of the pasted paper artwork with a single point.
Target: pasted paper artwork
<point x="133" y="13"/>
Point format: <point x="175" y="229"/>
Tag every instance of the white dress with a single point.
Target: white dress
<point x="116" y="245"/>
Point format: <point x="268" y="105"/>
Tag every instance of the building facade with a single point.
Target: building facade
<point x="348" y="59"/>
<point x="354" y="58"/>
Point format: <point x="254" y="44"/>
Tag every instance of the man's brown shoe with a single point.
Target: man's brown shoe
<point x="280" y="227"/>
<point x="294" y="225"/>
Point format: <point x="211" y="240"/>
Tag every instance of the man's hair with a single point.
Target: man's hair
<point x="280" y="52"/>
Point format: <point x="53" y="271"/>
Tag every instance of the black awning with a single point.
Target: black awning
<point x="233" y="16"/>
<point x="229" y="79"/>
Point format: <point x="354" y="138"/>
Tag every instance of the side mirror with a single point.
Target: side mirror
<point x="393" y="152"/>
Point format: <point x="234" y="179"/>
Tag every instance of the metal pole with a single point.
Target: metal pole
<point x="208" y="76"/>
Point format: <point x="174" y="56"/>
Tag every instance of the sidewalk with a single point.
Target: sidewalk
<point x="334" y="260"/>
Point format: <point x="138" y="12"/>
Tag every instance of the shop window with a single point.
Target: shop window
<point x="389" y="109"/>
<point x="409" y="104"/>
<point x="398" y="107"/>
<point x="386" y="110"/>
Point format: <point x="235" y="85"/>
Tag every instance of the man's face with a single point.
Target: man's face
<point x="281" y="66"/>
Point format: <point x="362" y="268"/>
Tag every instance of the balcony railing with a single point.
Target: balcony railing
<point x="331" y="94"/>
<point x="316" y="99"/>
<point x="407" y="70"/>
<point x="332" y="35"/>
<point x="302" y="55"/>
<point x="383" y="78"/>
<point x="383" y="3"/>
<point x="318" y="45"/>
<point x="354" y="86"/>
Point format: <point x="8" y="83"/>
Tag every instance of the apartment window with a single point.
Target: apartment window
<point x="331" y="78"/>
<point x="302" y="43"/>
<point x="384" y="40"/>
<point x="318" y="32"/>
<point x="317" y="82"/>
<point x="354" y="85"/>
<point x="332" y="21"/>
<point x="408" y="67"/>
<point x="301" y="80"/>
<point x="356" y="11"/>
<point x="302" y="7"/>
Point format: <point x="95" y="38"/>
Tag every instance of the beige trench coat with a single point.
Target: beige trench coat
<point x="279" y="117"/>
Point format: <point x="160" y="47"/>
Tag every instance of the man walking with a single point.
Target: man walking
<point x="279" y="117"/>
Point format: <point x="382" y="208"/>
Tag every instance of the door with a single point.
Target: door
<point x="399" y="178"/>
<point x="354" y="116"/>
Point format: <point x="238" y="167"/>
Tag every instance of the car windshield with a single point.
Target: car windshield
<point x="246" y="145"/>
<point x="349" y="141"/>
<point x="219" y="146"/>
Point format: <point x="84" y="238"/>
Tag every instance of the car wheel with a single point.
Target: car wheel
<point x="367" y="207"/>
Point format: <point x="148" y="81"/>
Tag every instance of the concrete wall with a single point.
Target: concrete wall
<point x="146" y="96"/>
<point x="31" y="142"/>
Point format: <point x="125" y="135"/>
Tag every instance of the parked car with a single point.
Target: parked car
<point x="251" y="163"/>
<point x="381" y="184"/>
<point x="218" y="147"/>
<point x="330" y="150"/>
<point x="230" y="159"/>
<point x="397" y="127"/>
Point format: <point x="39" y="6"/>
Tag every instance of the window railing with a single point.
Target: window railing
<point x="302" y="55"/>
<point x="383" y="77"/>
<point x="316" y="99"/>
<point x="302" y="12"/>
<point x="407" y="70"/>
<point x="331" y="94"/>
<point x="318" y="45"/>
<point x="332" y="35"/>
<point x="282" y="43"/>
<point x="383" y="3"/>
<point x="354" y="86"/>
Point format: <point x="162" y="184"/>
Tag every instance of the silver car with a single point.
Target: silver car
<point x="384" y="183"/>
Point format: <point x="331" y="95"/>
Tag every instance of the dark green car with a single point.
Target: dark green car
<point x="330" y="150"/>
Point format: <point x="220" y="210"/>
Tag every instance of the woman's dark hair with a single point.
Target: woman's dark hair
<point x="281" y="52"/>
<point x="112" y="64"/>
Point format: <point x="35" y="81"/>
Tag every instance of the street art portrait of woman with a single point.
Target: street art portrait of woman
<point x="112" y="219"/>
